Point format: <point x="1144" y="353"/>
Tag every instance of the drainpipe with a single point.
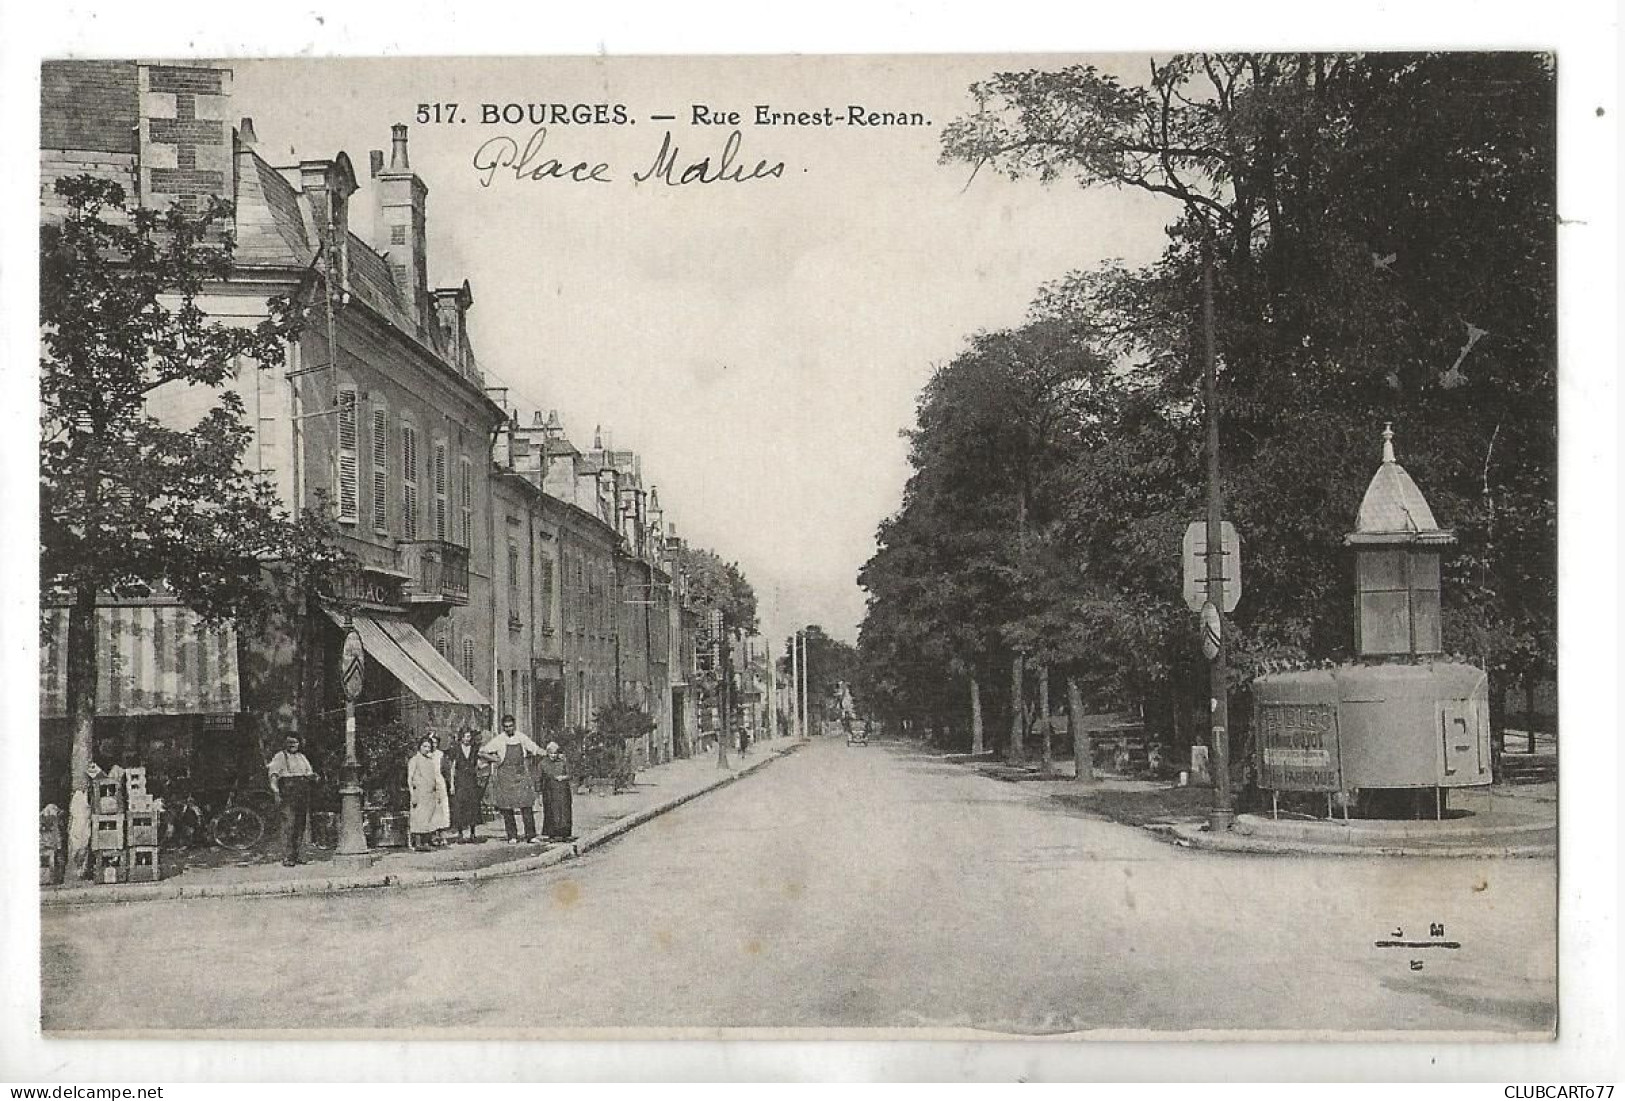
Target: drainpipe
<point x="491" y="575"/>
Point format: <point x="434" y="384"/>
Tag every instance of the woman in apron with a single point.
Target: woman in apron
<point x="428" y="791"/>
<point x="511" y="786"/>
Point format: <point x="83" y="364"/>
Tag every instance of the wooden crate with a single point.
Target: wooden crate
<point x="111" y="866"/>
<point x="106" y="832"/>
<point x="50" y="865"/>
<point x="107" y="795"/>
<point x="141" y="828"/>
<point x="143" y="864"/>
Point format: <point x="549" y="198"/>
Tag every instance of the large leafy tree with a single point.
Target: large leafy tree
<point x="1384" y="232"/>
<point x="713" y="583"/>
<point x="951" y="584"/>
<point x="132" y="505"/>
<point x="830" y="662"/>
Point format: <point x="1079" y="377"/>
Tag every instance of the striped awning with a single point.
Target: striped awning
<point x="150" y="660"/>
<point x="410" y="659"/>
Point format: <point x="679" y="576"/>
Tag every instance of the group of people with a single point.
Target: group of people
<point x="446" y="790"/>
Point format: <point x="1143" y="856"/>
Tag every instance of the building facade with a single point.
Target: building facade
<point x="501" y="568"/>
<point x="378" y="414"/>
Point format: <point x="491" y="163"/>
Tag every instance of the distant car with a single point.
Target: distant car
<point x="857" y="734"/>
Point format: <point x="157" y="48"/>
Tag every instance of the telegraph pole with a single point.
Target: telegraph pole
<point x="795" y="686"/>
<point x="806" y="712"/>
<point x="1223" y="813"/>
<point x="724" y="694"/>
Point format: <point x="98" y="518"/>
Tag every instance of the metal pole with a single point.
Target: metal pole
<point x="806" y="711"/>
<point x="724" y="701"/>
<point x="1223" y="813"/>
<point x="795" y="686"/>
<point x="352" y="843"/>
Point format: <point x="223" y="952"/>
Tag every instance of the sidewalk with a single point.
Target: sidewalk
<point x="599" y="817"/>
<point x="1496" y="821"/>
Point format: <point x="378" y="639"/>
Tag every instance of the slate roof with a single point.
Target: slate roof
<point x="270" y="227"/>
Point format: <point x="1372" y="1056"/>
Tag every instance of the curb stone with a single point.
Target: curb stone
<point x="1197" y="837"/>
<point x="159" y="892"/>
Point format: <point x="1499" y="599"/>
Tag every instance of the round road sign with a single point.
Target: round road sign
<point x="1210" y="631"/>
<point x="352" y="665"/>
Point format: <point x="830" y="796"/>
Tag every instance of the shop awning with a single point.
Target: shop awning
<point x="151" y="659"/>
<point x="410" y="659"/>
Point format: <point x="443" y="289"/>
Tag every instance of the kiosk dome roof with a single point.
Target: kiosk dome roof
<point x="1393" y="505"/>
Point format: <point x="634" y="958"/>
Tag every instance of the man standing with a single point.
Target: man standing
<point x="291" y="781"/>
<point x="511" y="786"/>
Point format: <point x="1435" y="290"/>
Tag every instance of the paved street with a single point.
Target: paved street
<point x="845" y="887"/>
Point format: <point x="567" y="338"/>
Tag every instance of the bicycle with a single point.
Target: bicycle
<point x="238" y="824"/>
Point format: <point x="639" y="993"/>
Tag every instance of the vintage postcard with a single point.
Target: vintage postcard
<point x="973" y="546"/>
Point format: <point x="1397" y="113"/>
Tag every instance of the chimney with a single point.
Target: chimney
<point x="246" y="138"/>
<point x="536" y="420"/>
<point x="375" y="160"/>
<point x="402" y="227"/>
<point x="397" y="150"/>
<point x="451" y="309"/>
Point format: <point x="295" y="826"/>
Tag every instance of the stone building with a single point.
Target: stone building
<point x="379" y="409"/>
<point x="606" y="553"/>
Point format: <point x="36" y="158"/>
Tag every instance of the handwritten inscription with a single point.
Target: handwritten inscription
<point x="505" y="157"/>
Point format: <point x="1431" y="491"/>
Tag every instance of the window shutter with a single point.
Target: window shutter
<point x="440" y="520"/>
<point x="380" y="471"/>
<point x="465" y="500"/>
<point x="349" y="472"/>
<point x="468" y="660"/>
<point x="409" y="481"/>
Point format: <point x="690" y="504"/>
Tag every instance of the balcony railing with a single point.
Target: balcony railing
<point x="438" y="571"/>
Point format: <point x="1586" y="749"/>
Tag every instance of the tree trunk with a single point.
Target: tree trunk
<point x="976" y="742"/>
<point x="1018" y="669"/>
<point x="1529" y="712"/>
<point x="81" y="661"/>
<point x="1082" y="748"/>
<point x="1043" y="717"/>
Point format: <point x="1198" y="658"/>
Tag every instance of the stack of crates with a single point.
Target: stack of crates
<point x="50" y="847"/>
<point x="123" y="828"/>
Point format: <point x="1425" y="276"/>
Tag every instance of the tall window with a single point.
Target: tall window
<point x="380" y="471"/>
<point x="544" y="593"/>
<point x="468" y="660"/>
<point x="513" y="585"/>
<point x="409" y="482"/>
<point x="442" y="521"/>
<point x="348" y="459"/>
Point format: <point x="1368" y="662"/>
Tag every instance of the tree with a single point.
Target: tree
<point x="713" y="583"/>
<point x="830" y="662"/>
<point x="951" y="581"/>
<point x="1384" y="226"/>
<point x="131" y="506"/>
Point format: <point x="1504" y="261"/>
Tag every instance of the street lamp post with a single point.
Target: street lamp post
<point x="352" y="841"/>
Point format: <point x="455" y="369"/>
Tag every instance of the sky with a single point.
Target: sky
<point x="760" y="344"/>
